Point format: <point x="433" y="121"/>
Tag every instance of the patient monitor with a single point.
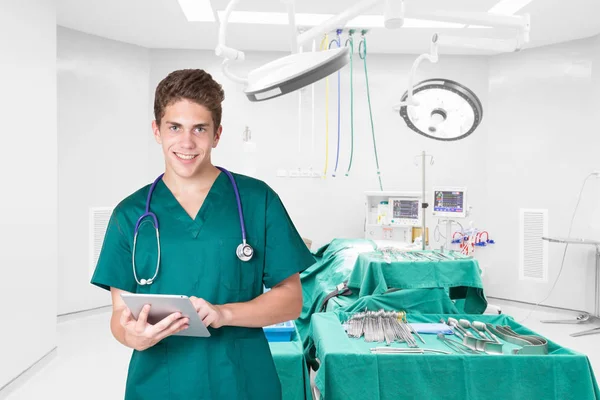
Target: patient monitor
<point x="391" y="216"/>
<point x="450" y="202"/>
<point x="405" y="211"/>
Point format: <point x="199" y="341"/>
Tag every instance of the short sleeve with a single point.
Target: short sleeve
<point x="285" y="252"/>
<point x="114" y="268"/>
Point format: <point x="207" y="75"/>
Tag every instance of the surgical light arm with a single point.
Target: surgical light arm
<point x="496" y="45"/>
<point x="394" y="17"/>
<point x="227" y="52"/>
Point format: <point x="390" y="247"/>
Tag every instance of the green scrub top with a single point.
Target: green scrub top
<point x="198" y="258"/>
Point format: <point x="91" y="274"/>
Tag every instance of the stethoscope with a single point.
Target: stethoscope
<point x="244" y="251"/>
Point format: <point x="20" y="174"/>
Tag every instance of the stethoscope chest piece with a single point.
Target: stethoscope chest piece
<point x="244" y="252"/>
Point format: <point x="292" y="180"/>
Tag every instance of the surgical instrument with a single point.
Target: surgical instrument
<point x="396" y="350"/>
<point x="466" y="324"/>
<point x="530" y="344"/>
<point x="486" y="345"/>
<point x="415" y="332"/>
<point x="482" y="326"/>
<point x="382" y="326"/>
<point x="458" y="347"/>
<point x="454" y="323"/>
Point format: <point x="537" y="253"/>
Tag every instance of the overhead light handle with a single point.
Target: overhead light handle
<point x="226" y="52"/>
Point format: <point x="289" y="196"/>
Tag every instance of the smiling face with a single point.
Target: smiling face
<point x="187" y="134"/>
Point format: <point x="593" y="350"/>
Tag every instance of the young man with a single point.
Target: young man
<point x="199" y="225"/>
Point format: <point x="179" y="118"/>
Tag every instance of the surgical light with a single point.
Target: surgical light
<point x="300" y="69"/>
<point x="443" y="110"/>
<point x="294" y="72"/>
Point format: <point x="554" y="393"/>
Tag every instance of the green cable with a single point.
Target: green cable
<point x="364" y="58"/>
<point x="351" y="40"/>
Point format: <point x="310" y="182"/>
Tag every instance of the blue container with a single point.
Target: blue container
<point x="280" y="332"/>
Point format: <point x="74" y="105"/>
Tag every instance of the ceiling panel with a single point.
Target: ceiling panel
<point x="161" y="23"/>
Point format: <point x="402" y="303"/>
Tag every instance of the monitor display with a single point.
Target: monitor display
<point x="449" y="202"/>
<point x="406" y="209"/>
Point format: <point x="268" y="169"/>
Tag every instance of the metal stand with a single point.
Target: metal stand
<point x="424" y="203"/>
<point x="583" y="317"/>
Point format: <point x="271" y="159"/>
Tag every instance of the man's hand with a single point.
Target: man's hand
<point x="211" y="315"/>
<point x="140" y="335"/>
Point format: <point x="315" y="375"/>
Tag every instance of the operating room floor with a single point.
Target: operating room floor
<point x="90" y="364"/>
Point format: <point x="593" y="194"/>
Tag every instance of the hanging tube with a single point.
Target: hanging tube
<point x="363" y="55"/>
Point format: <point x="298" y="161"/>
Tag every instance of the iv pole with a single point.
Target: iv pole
<point x="424" y="204"/>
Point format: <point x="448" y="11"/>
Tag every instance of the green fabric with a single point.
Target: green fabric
<point x="431" y="301"/>
<point x="372" y="275"/>
<point x="335" y="262"/>
<point x="356" y="261"/>
<point x="198" y="258"/>
<point x="563" y="374"/>
<point x="425" y="301"/>
<point x="291" y="369"/>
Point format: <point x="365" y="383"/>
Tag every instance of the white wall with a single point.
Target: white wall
<point x="103" y="153"/>
<point x="28" y="238"/>
<point x="325" y="209"/>
<point x="542" y="142"/>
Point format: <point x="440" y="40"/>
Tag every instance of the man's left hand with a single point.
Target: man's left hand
<point x="211" y="315"/>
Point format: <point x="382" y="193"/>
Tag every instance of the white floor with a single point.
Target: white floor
<point x="90" y="364"/>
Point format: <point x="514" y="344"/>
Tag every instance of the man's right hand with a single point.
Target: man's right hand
<point x="140" y="335"/>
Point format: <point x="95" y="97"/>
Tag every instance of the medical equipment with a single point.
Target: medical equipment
<point x="350" y="41"/>
<point x="244" y="251"/>
<point x="424" y="205"/>
<point x="338" y="41"/>
<point x="396" y="350"/>
<point x="362" y="52"/>
<point x="404" y="211"/>
<point x="323" y="47"/>
<point x="297" y="70"/>
<point x="479" y="344"/>
<point x="454" y="323"/>
<point x="382" y="326"/>
<point x="450" y="202"/>
<point x="281" y="332"/>
<point x="483" y="327"/>
<point x="380" y="223"/>
<point x="457" y="347"/>
<point x="391" y="253"/>
<point x="467" y="325"/>
<point x="530" y="344"/>
<point x="447" y="110"/>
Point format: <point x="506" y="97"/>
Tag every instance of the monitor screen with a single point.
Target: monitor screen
<point x="449" y="201"/>
<point x="406" y="209"/>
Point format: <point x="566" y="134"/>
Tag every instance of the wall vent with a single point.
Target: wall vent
<point x="533" y="254"/>
<point x="99" y="218"/>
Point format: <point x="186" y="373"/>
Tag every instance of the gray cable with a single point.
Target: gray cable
<point x="562" y="264"/>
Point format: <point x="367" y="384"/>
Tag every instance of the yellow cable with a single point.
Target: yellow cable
<point x="323" y="46"/>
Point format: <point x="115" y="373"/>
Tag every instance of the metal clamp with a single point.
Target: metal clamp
<point x="530" y="344"/>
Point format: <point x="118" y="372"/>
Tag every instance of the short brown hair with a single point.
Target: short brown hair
<point x="195" y="85"/>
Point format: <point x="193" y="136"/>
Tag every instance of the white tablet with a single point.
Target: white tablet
<point x="163" y="305"/>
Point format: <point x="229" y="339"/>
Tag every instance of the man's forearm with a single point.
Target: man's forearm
<point x="280" y="304"/>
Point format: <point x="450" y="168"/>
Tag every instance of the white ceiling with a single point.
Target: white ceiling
<point x="162" y="24"/>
